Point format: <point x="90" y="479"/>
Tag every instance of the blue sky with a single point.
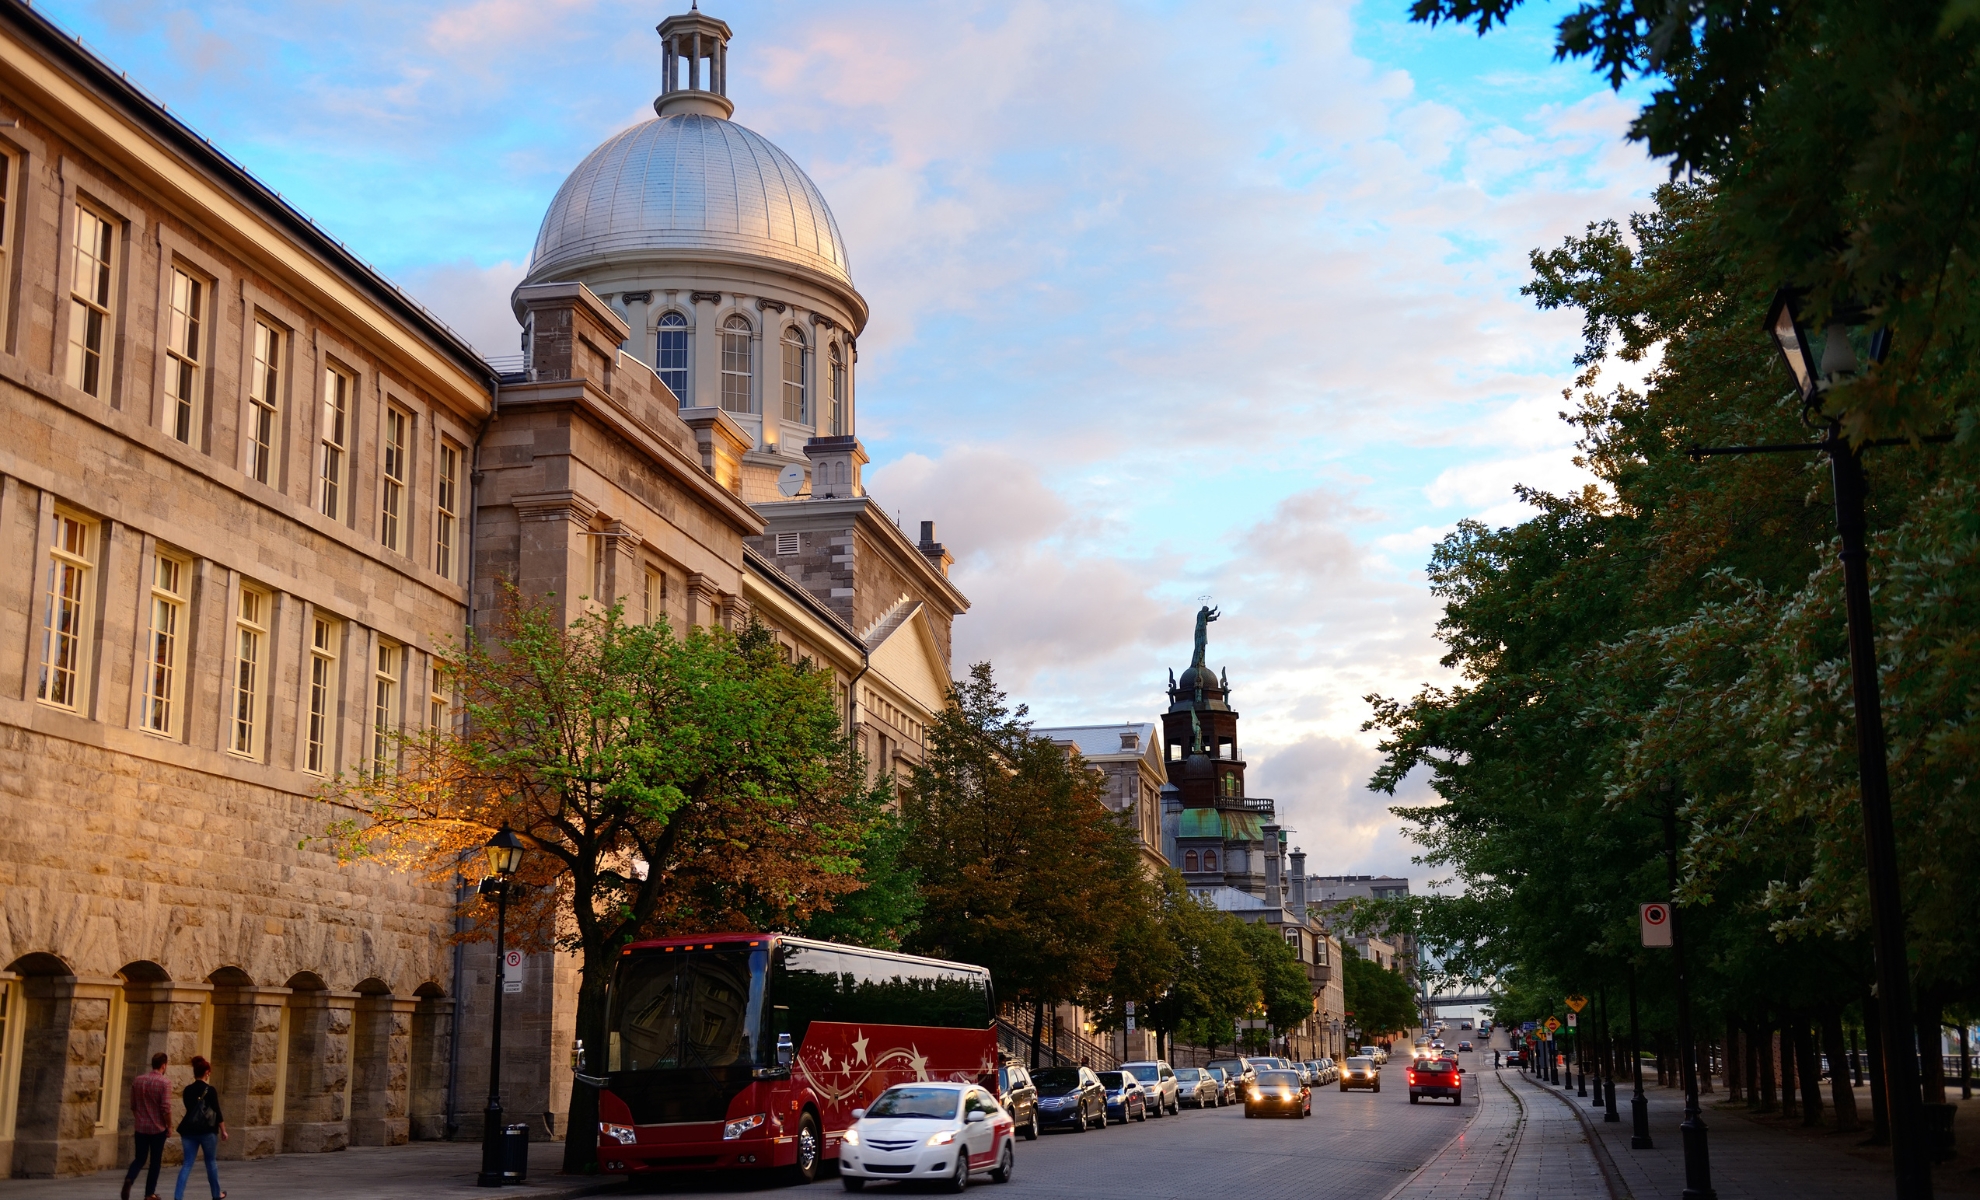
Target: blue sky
<point x="1169" y="300"/>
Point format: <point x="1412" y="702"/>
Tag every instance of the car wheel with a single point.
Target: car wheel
<point x="806" y="1168"/>
<point x="1103" y="1118"/>
<point x="1005" y="1165"/>
<point x="960" y="1178"/>
<point x="1031" y="1130"/>
<point x="1344" y="1087"/>
<point x="853" y="1183"/>
<point x="1413" y="1099"/>
<point x="1378" y="1086"/>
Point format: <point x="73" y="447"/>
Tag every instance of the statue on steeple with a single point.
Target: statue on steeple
<point x="1204" y="616"/>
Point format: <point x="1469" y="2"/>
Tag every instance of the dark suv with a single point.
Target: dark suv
<point x="1241" y="1071"/>
<point x="1019" y="1097"/>
<point x="1070" y="1096"/>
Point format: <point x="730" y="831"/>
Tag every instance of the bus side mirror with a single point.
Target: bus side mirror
<point x="784" y="1050"/>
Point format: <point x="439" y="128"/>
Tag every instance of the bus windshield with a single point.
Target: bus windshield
<point x="698" y="1008"/>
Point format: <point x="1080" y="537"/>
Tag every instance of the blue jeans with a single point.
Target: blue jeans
<point x="210" y="1144"/>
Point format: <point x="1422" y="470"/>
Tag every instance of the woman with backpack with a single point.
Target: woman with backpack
<point x="201" y="1129"/>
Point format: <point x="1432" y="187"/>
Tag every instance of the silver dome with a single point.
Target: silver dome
<point x="688" y="182"/>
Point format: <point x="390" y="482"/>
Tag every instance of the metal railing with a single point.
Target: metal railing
<point x="1014" y="1041"/>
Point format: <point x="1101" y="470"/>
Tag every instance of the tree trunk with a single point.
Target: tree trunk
<point x="1735" y="1080"/>
<point x="1037" y="1031"/>
<point x="1750" y="1046"/>
<point x="1811" y="1073"/>
<point x="1880" y="1110"/>
<point x="581" y="1129"/>
<point x="1931" y="1058"/>
<point x="1841" y="1094"/>
<point x="1766" y="1041"/>
<point x="1790" y="1099"/>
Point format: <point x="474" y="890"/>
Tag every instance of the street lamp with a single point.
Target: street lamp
<point x="504" y="851"/>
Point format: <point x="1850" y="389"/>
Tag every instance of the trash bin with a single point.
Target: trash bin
<point x="515" y="1154"/>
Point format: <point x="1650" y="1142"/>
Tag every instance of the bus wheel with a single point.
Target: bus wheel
<point x="806" y="1168"/>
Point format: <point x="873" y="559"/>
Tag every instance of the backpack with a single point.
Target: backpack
<point x="200" y="1118"/>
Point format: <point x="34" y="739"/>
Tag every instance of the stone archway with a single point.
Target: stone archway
<point x="150" y="1014"/>
<point x="381" y="1062"/>
<point x="431" y="1049"/>
<point x="316" y="1077"/>
<point x="244" y="1038"/>
<point x="63" y="1032"/>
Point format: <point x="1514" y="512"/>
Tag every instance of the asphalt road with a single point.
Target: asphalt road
<point x="1356" y="1146"/>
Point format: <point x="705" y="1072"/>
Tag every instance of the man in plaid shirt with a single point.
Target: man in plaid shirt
<point x="151" y="1116"/>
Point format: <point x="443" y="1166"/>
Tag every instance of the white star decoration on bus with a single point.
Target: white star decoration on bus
<point x="918" y="1061"/>
<point x="859" y="1045"/>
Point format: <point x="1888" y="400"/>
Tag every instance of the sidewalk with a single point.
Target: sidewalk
<point x="1520" y="1146"/>
<point x="410" y="1172"/>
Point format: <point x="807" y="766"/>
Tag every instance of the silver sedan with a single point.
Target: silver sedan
<point x="1198" y="1088"/>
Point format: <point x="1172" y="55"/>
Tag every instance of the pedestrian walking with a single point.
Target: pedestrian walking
<point x="202" y="1129"/>
<point x="151" y="1120"/>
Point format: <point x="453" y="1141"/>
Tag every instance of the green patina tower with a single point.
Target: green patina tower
<point x="1223" y="837"/>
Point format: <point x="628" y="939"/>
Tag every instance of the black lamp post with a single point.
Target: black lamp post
<point x="504" y="851"/>
<point x="1639" y="1105"/>
<point x="1609" y="1116"/>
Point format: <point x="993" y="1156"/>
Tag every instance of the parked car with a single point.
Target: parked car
<point x="1305" y="1072"/>
<point x="1019" y="1098"/>
<point x="1158" y="1080"/>
<point x="1464" y="1047"/>
<point x="1375" y="1052"/>
<point x="1242" y="1074"/>
<point x="1125" y="1099"/>
<point x="942" y="1131"/>
<point x="1070" y="1096"/>
<point x="1362" y="1071"/>
<point x="1198" y="1088"/>
<point x="1333" y="1071"/>
<point x="1437" y="1077"/>
<point x="1279" y="1092"/>
<point x="1227" y="1082"/>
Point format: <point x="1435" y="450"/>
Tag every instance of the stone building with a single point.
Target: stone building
<point x="1130" y="756"/>
<point x="251" y="494"/>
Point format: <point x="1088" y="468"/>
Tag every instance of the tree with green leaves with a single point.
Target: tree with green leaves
<point x="660" y="784"/>
<point x="1380" y="999"/>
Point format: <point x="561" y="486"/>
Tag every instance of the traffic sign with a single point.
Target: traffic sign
<point x="1576" y="1003"/>
<point x="1570" y="1020"/>
<point x="513" y="960"/>
<point x="1656" y="924"/>
<point x="1553" y="1023"/>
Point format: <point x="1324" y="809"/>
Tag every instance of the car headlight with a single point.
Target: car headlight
<point x="740" y="1126"/>
<point x="625" y="1135"/>
<point x="849" y="1138"/>
<point x="943" y="1138"/>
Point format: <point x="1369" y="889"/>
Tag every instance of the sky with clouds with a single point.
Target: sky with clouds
<point x="1169" y="300"/>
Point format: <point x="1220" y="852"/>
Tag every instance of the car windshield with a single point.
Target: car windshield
<point x="1189" y="1074"/>
<point x="1057" y="1081"/>
<point x="1146" y="1074"/>
<point x="1361" y="1064"/>
<point x="1114" y="1081"/>
<point x="1229" y="1064"/>
<point x="1278" y="1079"/>
<point x="932" y="1104"/>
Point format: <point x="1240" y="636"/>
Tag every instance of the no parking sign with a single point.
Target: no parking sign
<point x="1656" y="924"/>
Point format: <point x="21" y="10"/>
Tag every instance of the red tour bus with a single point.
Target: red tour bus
<point x="751" y="1050"/>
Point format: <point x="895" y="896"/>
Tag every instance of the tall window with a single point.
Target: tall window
<point x="672" y="356"/>
<point x="322" y="696"/>
<point x="250" y="652"/>
<point x="384" y="706"/>
<point x="65" y="620"/>
<point x="446" y="505"/>
<point x="335" y="432"/>
<point x="182" y="357"/>
<point x="653" y="596"/>
<point x="599" y="549"/>
<point x="795" y="408"/>
<point x="6" y="229"/>
<point x="440" y="700"/>
<point x="838" y="390"/>
<point x="94" y="258"/>
<point x="165" y="647"/>
<point x="1190" y="861"/>
<point x="735" y="364"/>
<point x="1209" y="860"/>
<point x="390" y="527"/>
<point x="264" y="393"/>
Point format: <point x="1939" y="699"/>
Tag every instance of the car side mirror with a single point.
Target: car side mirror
<point x="785" y="1051"/>
<point x="858" y="1113"/>
<point x="976" y="1117"/>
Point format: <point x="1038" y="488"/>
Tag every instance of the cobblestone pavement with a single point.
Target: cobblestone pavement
<point x="1522" y="1145"/>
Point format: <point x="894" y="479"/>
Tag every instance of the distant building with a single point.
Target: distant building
<point x="1332" y="892"/>
<point x="1130" y="756"/>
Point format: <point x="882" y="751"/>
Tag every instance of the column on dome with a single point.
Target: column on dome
<point x="694" y="65"/>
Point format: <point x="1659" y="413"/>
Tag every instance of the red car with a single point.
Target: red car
<point x="1439" y="1077"/>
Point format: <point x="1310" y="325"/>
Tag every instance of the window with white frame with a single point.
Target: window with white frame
<point x="66" y="615"/>
<point x="332" y="437"/>
<point x="838" y="390"/>
<point x="671" y="355"/>
<point x="264" y="395"/>
<point x="165" y="643"/>
<point x="385" y="706"/>
<point x="93" y="263"/>
<point x="653" y="595"/>
<point x="795" y="351"/>
<point x="250" y="667"/>
<point x="319" y="737"/>
<point x="440" y="699"/>
<point x="182" y="355"/>
<point x="391" y="516"/>
<point x="735" y="364"/>
<point x="446" y="509"/>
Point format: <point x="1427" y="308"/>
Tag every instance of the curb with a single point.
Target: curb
<point x="1611" y="1175"/>
<point x="1439" y="1153"/>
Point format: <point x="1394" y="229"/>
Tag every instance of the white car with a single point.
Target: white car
<point x="939" y="1132"/>
<point x="1158" y="1086"/>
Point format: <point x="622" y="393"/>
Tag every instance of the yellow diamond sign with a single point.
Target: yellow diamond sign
<point x="1577" y="1003"/>
<point x="1553" y="1023"/>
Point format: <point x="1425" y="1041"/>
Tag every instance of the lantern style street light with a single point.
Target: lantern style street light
<point x="505" y="852"/>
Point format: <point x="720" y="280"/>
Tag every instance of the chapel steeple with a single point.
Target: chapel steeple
<point x="1222" y="837"/>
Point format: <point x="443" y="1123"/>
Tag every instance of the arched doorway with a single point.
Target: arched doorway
<point x="432" y="1039"/>
<point x="381" y="1074"/>
<point x="57" y="1029"/>
<point x="314" y="1092"/>
<point x="244" y="1035"/>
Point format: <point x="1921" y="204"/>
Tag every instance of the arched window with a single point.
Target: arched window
<point x="671" y="356"/>
<point x="795" y="408"/>
<point x="838" y="390"/>
<point x="1189" y="860"/>
<point x="1209" y="860"/>
<point x="735" y="364"/>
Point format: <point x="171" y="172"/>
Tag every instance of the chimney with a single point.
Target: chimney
<point x="932" y="550"/>
<point x="1271" y="852"/>
<point x="1299" y="882"/>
